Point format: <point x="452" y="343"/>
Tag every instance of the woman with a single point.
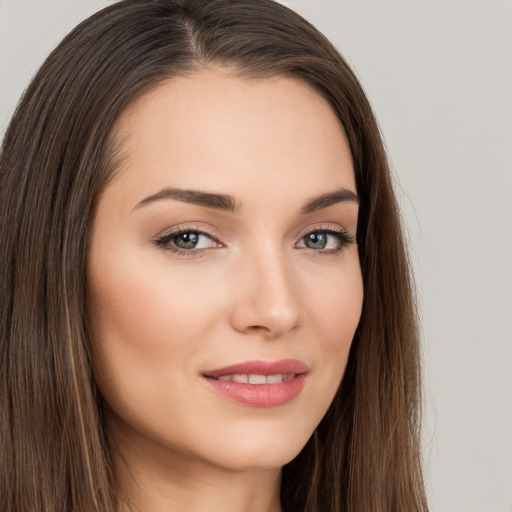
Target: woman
<point x="194" y="201"/>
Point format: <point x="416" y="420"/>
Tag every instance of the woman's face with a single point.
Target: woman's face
<point x="224" y="279"/>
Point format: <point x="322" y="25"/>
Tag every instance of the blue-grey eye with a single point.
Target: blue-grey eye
<point x="325" y="240"/>
<point x="188" y="240"/>
<point x="316" y="240"/>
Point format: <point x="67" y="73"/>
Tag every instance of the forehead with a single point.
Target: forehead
<point x="213" y="130"/>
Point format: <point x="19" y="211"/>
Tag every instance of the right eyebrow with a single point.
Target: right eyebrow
<point x="208" y="199"/>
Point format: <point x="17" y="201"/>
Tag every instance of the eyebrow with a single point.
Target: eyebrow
<point x="229" y="203"/>
<point x="208" y="199"/>
<point x="325" y="200"/>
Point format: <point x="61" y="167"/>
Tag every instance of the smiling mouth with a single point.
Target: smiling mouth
<point x="254" y="378"/>
<point x="259" y="383"/>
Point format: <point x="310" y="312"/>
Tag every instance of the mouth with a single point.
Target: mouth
<point x="254" y="378"/>
<point x="259" y="383"/>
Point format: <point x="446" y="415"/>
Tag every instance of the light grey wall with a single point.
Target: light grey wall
<point x="439" y="75"/>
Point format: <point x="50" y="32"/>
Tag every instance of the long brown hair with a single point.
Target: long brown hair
<point x="56" y="157"/>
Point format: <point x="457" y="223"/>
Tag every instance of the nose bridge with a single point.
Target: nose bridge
<point x="267" y="300"/>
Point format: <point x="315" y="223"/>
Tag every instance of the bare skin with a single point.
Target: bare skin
<point x="183" y="282"/>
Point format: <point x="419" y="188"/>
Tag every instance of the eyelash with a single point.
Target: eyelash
<point x="341" y="235"/>
<point x="164" y="242"/>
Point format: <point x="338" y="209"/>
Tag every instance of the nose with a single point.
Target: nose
<point x="266" y="297"/>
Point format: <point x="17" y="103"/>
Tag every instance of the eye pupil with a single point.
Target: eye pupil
<point x="316" y="240"/>
<point x="186" y="240"/>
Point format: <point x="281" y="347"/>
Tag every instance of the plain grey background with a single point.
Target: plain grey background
<point x="439" y="76"/>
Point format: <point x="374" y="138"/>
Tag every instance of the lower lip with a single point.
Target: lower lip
<point x="260" y="395"/>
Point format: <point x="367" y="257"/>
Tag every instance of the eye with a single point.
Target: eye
<point x="184" y="241"/>
<point x="327" y="240"/>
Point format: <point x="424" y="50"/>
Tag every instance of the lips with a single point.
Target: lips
<point x="259" y="383"/>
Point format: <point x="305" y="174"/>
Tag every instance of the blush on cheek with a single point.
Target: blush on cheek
<point x="147" y="311"/>
<point x="339" y="313"/>
<point x="126" y="309"/>
<point x="342" y="304"/>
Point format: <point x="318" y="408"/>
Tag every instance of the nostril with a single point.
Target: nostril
<point x="266" y="302"/>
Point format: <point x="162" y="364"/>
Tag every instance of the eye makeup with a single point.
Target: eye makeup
<point x="187" y="241"/>
<point x="326" y="241"/>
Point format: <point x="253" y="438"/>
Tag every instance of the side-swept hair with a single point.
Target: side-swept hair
<point x="58" y="154"/>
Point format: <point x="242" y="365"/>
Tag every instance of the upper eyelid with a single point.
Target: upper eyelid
<point x="328" y="227"/>
<point x="169" y="233"/>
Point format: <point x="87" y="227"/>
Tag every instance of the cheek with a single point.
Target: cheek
<point x="336" y="312"/>
<point x="149" y="333"/>
<point x="129" y="311"/>
<point x="338" y="305"/>
<point x="140" y="308"/>
<point x="341" y="312"/>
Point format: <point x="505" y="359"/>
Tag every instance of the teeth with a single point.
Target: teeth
<point x="275" y="379"/>
<point x="255" y="378"/>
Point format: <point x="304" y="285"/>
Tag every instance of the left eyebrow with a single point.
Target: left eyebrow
<point x="325" y="200"/>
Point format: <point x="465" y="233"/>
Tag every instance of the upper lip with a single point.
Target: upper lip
<point x="261" y="368"/>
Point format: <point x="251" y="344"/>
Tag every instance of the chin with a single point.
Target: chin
<point x="259" y="451"/>
<point x="258" y="459"/>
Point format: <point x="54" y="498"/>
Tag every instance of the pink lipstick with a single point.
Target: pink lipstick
<point x="259" y="383"/>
